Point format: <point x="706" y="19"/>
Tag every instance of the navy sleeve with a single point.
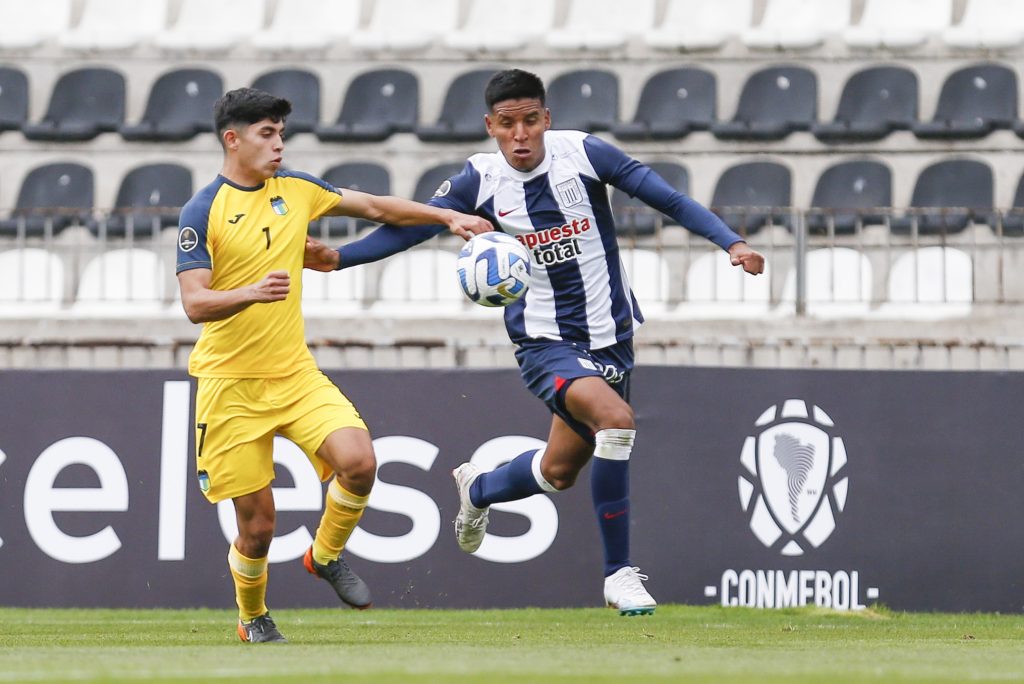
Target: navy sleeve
<point x="615" y="167"/>
<point x="193" y="250"/>
<point x="458" y="193"/>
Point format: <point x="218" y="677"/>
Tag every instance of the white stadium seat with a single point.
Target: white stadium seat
<point x="929" y="283"/>
<point x="648" y="275"/>
<point x="798" y="24"/>
<point x="988" y="25"/>
<point x="717" y="289"/>
<point x="121" y="282"/>
<point x="27" y="25"/>
<point x="332" y="294"/>
<point x="700" y="25"/>
<point x="602" y="24"/>
<point x="112" y="25"/>
<point x="487" y="27"/>
<point x="406" y="25"/>
<point x="420" y="283"/>
<point x="308" y="25"/>
<point x="212" y="27"/>
<point x="899" y="23"/>
<point x="31" y="282"/>
<point x="838" y="283"/>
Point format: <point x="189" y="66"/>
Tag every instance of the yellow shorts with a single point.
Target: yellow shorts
<point x="237" y="418"/>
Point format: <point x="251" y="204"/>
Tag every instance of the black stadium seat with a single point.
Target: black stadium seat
<point x="586" y="100"/>
<point x="377" y="104"/>
<point x="956" y="190"/>
<point x="1013" y="220"/>
<point x="673" y="103"/>
<point x="84" y="103"/>
<point x="13" y="99"/>
<point x="180" y="105"/>
<point x="749" y="194"/>
<point x="462" y="115"/>
<point x="362" y="176"/>
<point x="774" y="102"/>
<point x="846" y="192"/>
<point x="59" y="192"/>
<point x="302" y="89"/>
<point x="431" y="179"/>
<point x="633" y="217"/>
<point x="150" y="198"/>
<point x="974" y="101"/>
<point x="874" y="102"/>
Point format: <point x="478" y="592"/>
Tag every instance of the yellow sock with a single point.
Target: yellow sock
<point x="342" y="511"/>
<point x="250" y="575"/>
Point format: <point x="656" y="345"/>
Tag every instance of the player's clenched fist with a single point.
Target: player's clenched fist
<point x="273" y="288"/>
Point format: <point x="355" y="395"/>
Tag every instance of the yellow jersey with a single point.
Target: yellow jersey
<point x="241" y="234"/>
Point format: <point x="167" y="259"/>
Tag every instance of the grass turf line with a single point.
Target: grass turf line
<point x="679" y="643"/>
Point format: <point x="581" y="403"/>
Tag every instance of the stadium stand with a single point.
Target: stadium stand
<point x="632" y="217"/>
<point x="774" y="102"/>
<point x="875" y="102"/>
<point x="115" y="25"/>
<point x="362" y="176"/>
<point x="419" y="283"/>
<point x="798" y="24"/>
<point x="1012" y="222"/>
<point x="899" y="24"/>
<point x="333" y="294"/>
<point x="948" y="194"/>
<point x="714" y="289"/>
<point x="462" y="116"/>
<point x="28" y="25"/>
<point x="406" y="26"/>
<point x="648" y="275"/>
<point x="147" y="201"/>
<point x="929" y="283"/>
<point x="700" y="25"/>
<point x="84" y="103"/>
<point x="975" y="101"/>
<point x="302" y="89"/>
<point x="179" y="107"/>
<point x="377" y="104"/>
<point x="52" y="197"/>
<point x="211" y="28"/>
<point x="13" y="98"/>
<point x="586" y="100"/>
<point x="838" y="283"/>
<point x="122" y="282"/>
<point x="487" y="28"/>
<point x="292" y="30"/>
<point x="848" y="195"/>
<point x="602" y="25"/>
<point x="750" y="195"/>
<point x="430" y="180"/>
<point x="673" y="103"/>
<point x="31" y="282"/>
<point x="988" y="25"/>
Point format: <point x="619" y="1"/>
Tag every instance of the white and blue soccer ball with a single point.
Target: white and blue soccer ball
<point x="494" y="269"/>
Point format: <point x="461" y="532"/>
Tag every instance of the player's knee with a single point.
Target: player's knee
<point x="255" y="537"/>
<point x="617" y="417"/>
<point x="360" y="467"/>
<point x="561" y="477"/>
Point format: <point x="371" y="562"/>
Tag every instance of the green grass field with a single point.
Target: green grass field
<point x="679" y="643"/>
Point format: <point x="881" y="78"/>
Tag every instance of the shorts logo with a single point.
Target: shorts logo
<point x="794" y="482"/>
<point x="443" y="189"/>
<point x="188" y="238"/>
<point x="278" y="205"/>
<point x="204" y="481"/>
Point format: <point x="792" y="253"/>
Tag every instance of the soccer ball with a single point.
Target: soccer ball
<point x="493" y="269"/>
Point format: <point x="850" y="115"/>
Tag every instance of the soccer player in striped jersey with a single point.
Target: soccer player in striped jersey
<point x="240" y="249"/>
<point x="573" y="329"/>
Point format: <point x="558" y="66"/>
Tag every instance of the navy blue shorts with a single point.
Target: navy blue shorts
<point x="548" y="368"/>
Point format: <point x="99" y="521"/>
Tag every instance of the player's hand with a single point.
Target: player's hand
<point x="319" y="257"/>
<point x="740" y="254"/>
<point x="273" y="288"/>
<point x="466" y="225"/>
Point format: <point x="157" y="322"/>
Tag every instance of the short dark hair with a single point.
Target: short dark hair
<point x="247" y="106"/>
<point x="513" y="84"/>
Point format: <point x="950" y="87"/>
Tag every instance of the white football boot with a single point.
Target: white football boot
<point x="471" y="523"/>
<point x="624" y="590"/>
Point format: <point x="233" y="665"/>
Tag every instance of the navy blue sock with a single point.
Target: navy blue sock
<point x="509" y="482"/>
<point x="609" y="486"/>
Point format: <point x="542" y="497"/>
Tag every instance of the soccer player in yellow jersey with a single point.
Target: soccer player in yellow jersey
<point x="240" y="248"/>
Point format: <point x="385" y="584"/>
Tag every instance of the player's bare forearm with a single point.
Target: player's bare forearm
<point x="740" y="254"/>
<point x="203" y="304"/>
<point x="396" y="211"/>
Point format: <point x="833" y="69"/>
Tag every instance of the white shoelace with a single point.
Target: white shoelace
<point x="630" y="583"/>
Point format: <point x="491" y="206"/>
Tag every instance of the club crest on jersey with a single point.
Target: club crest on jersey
<point x="570" y="192"/>
<point x="278" y="205"/>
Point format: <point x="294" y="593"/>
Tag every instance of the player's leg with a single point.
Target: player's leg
<point x="247" y="559"/>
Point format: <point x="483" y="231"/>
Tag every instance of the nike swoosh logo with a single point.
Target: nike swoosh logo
<point x="502" y="214"/>
<point x="613" y="516"/>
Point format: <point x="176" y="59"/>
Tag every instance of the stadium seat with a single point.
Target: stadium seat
<point x="585" y="100"/>
<point x="602" y="25"/>
<point x="488" y="30"/>
<point x="649" y="278"/>
<point x="405" y="26"/>
<point x="929" y="283"/>
<point x="749" y="195"/>
<point x="874" y="102"/>
<point x="115" y="25"/>
<point x="419" y="283"/>
<point x="84" y="103"/>
<point x="212" y="27"/>
<point x="362" y="176"/>
<point x="633" y="217"/>
<point x="431" y="179"/>
<point x="717" y="289"/>
<point x="31" y="281"/>
<point x="53" y="195"/>
<point x="774" y="102"/>
<point x="837" y="283"/>
<point x="308" y="26"/>
<point x="13" y="98"/>
<point x="302" y="89"/>
<point x="700" y="25"/>
<point x="898" y="24"/>
<point x="180" y="105"/>
<point x="27" y="25"/>
<point x="377" y="104"/>
<point x="150" y="198"/>
<point x="974" y="101"/>
<point x="672" y="103"/>
<point x="988" y="25"/>
<point x="948" y="194"/>
<point x="1013" y="220"/>
<point x="333" y="294"/>
<point x="121" y="282"/>
<point x="462" y="115"/>
<point x="848" y="192"/>
<point x="798" y="24"/>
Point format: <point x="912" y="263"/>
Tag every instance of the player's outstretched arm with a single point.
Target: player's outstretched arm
<point x="741" y="254"/>
<point x="402" y="212"/>
<point x="203" y="304"/>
